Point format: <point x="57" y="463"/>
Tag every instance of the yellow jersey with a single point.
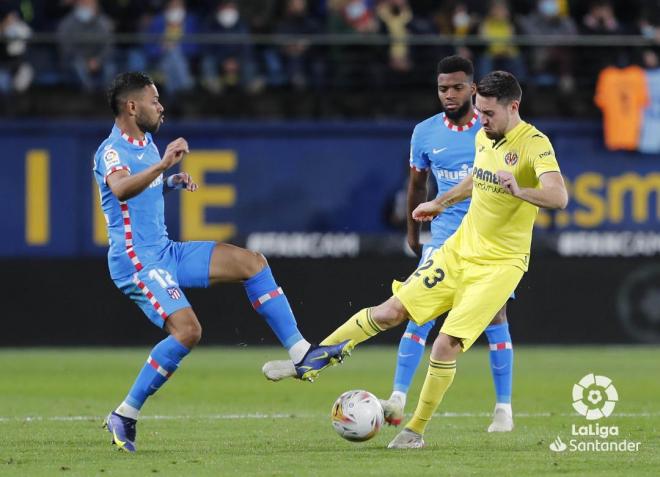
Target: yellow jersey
<point x="497" y="228"/>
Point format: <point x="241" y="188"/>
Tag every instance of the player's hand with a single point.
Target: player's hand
<point x="426" y="211"/>
<point x="182" y="180"/>
<point x="175" y="152"/>
<point x="508" y="181"/>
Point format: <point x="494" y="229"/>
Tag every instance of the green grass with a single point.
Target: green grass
<point x="221" y="417"/>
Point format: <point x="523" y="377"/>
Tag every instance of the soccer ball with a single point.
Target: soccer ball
<point x="357" y="415"/>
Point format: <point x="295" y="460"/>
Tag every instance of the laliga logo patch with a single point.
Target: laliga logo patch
<point x="111" y="158"/>
<point x="511" y="158"/>
<point x="594" y="397"/>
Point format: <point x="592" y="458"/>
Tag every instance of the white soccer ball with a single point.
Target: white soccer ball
<point x="357" y="415"/>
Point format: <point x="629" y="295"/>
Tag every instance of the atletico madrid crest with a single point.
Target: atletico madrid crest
<point x="174" y="293"/>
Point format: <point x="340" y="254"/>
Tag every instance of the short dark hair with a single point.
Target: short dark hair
<point x="454" y="63"/>
<point x="123" y="84"/>
<point x="500" y="85"/>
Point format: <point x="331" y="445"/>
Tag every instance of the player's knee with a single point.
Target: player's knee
<point x="389" y="314"/>
<point x="254" y="263"/>
<point x="445" y="348"/>
<point x="190" y="334"/>
<point x="195" y="333"/>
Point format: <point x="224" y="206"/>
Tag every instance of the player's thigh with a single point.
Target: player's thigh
<point x="485" y="289"/>
<point x="193" y="263"/>
<point x="230" y="263"/>
<point x="429" y="291"/>
<point x="155" y="290"/>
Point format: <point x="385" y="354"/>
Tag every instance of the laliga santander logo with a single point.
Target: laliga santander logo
<point x="594" y="397"/>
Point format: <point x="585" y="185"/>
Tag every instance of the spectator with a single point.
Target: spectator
<point x="551" y="65"/>
<point x="228" y="64"/>
<point x="648" y="21"/>
<point x="396" y="16"/>
<point x="85" y="42"/>
<point x="16" y="73"/>
<point x="130" y="17"/>
<point x="300" y="61"/>
<point x="498" y="30"/>
<point x="601" y="20"/>
<point x="171" y="56"/>
<point x="354" y="64"/>
<point x="455" y="19"/>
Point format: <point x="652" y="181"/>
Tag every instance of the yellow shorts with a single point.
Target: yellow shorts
<point x="473" y="293"/>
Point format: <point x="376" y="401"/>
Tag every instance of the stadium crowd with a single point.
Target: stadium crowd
<point x="211" y="47"/>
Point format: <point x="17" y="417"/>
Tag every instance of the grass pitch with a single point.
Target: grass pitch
<point x="219" y="416"/>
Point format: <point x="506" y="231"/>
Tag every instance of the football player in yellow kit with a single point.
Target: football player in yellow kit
<point x="476" y="270"/>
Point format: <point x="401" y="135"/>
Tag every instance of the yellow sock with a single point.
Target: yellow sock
<point x="359" y="327"/>
<point x="438" y="379"/>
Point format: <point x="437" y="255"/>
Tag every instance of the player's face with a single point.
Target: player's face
<point x="455" y="91"/>
<point x="149" y="113"/>
<point x="495" y="116"/>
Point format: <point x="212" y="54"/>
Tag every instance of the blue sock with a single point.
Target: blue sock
<point x="162" y="362"/>
<point x="411" y="350"/>
<point x="270" y="302"/>
<point x="501" y="360"/>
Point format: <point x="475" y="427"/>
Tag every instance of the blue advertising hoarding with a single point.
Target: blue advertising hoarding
<point x="284" y="177"/>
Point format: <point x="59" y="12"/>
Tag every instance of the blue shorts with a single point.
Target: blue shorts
<point x="429" y="248"/>
<point x="156" y="288"/>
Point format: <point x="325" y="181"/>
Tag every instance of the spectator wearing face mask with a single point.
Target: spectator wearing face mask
<point x="551" y="65"/>
<point x="16" y="73"/>
<point x="229" y="64"/>
<point x="455" y="19"/>
<point x="172" y="57"/>
<point x="355" y="64"/>
<point x="85" y="43"/>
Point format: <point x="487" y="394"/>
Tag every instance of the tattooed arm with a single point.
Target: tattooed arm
<point x="428" y="210"/>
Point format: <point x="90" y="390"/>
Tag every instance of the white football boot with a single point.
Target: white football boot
<point x="502" y="419"/>
<point x="407" y="439"/>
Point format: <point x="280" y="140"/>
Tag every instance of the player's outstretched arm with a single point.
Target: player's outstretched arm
<point x="417" y="193"/>
<point x="428" y="210"/>
<point x="125" y="186"/>
<point x="551" y="195"/>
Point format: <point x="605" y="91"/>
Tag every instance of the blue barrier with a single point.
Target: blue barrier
<point x="307" y="177"/>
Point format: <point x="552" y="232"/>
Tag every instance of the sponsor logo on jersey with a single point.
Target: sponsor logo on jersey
<point x="452" y="174"/>
<point x="485" y="175"/>
<point x="157" y="182"/>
